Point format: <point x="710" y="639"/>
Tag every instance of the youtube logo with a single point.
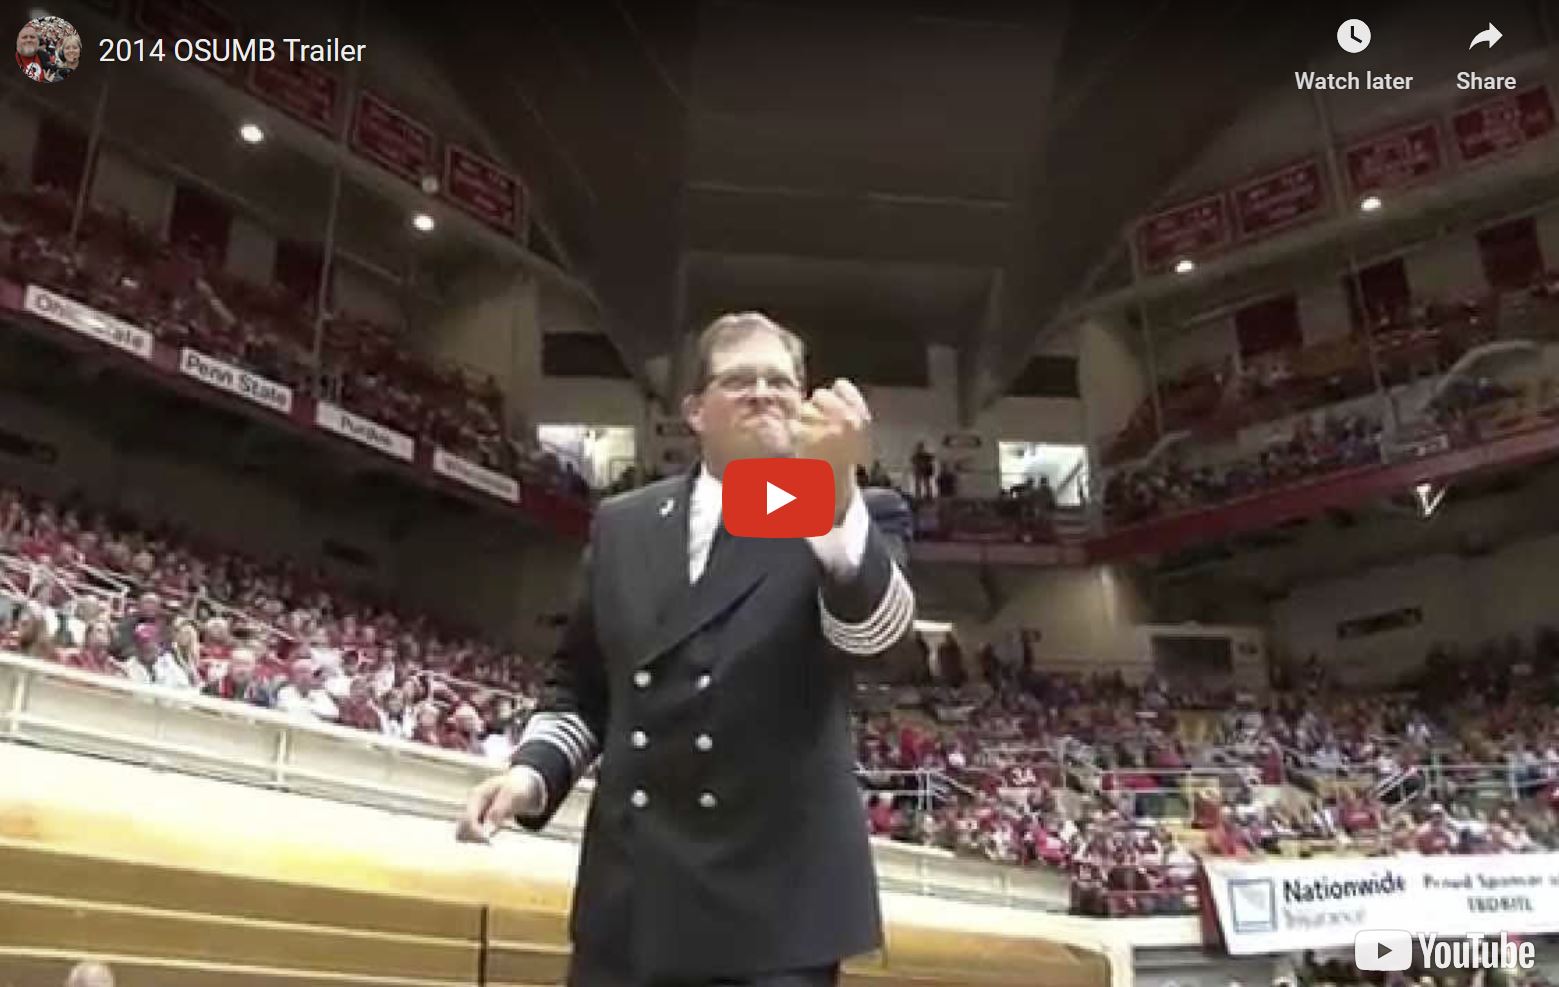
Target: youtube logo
<point x="777" y="498"/>
<point x="1383" y="949"/>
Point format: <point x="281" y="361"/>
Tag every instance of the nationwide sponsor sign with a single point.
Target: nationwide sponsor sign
<point x="1504" y="123"/>
<point x="1188" y="230"/>
<point x="385" y="135"/>
<point x="1274" y="906"/>
<point x="488" y="481"/>
<point x="1395" y="160"/>
<point x="481" y="188"/>
<point x="87" y="321"/>
<point x="236" y="380"/>
<point x="334" y="418"/>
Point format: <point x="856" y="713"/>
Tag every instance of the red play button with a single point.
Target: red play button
<point x="777" y="498"/>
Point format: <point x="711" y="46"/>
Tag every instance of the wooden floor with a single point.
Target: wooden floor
<point x="161" y="926"/>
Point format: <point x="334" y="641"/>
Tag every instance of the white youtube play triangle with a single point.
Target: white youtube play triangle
<point x="776" y="498"/>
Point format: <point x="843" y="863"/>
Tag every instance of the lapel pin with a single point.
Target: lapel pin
<point x="669" y="506"/>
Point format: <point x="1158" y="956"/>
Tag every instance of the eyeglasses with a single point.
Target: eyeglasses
<point x="745" y="381"/>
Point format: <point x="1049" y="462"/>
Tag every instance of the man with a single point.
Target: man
<point x="303" y="696"/>
<point x="239" y="683"/>
<point x="727" y="840"/>
<point x="148" y="612"/>
<point x="27" y="51"/>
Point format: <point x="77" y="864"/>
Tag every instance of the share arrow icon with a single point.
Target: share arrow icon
<point x="1491" y="35"/>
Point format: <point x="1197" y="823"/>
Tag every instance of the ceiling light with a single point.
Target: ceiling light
<point x="251" y="133"/>
<point x="422" y="222"/>
<point x="1369" y="203"/>
<point x="1185" y="265"/>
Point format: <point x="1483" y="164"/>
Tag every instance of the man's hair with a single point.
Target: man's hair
<point x="736" y="326"/>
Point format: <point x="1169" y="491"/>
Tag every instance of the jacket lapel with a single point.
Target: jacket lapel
<point x="665" y="550"/>
<point x="735" y="568"/>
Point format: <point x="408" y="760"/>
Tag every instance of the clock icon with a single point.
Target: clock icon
<point x="1353" y="36"/>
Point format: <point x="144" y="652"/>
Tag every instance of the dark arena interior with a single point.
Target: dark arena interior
<point x="1182" y="608"/>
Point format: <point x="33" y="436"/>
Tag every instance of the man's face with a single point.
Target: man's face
<point x="750" y="402"/>
<point x="27" y="41"/>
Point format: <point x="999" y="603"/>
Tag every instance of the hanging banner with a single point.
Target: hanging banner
<point x="1187" y="231"/>
<point x="236" y="381"/>
<point x="1279" y="200"/>
<point x="393" y="140"/>
<point x="490" y="482"/>
<point x="298" y="89"/>
<point x="87" y="321"/>
<point x="1280" y="906"/>
<point x="1395" y="160"/>
<point x="370" y="433"/>
<point x="190" y="20"/>
<point x="481" y="188"/>
<point x="1504" y="123"/>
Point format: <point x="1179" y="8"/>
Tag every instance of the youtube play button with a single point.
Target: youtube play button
<point x="1383" y="949"/>
<point x="777" y="498"/>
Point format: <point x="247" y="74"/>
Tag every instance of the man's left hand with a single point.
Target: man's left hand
<point x="834" y="425"/>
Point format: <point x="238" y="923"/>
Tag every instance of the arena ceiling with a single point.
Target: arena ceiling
<point x="953" y="171"/>
<point x="948" y="171"/>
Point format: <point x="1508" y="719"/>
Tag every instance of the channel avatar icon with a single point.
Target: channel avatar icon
<point x="48" y="49"/>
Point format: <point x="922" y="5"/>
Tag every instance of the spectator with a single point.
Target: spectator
<point x="179" y="665"/>
<point x="465" y="730"/>
<point x="148" y="611"/>
<point x="238" y="682"/>
<point x="425" y="727"/>
<point x="396" y="720"/>
<point x="302" y="695"/>
<point x="923" y="465"/>
<point x="946" y="482"/>
<point x="93" y="655"/>
<point x="30" y="636"/>
<point x="358" y="709"/>
<point x="140" y="663"/>
<point x="1045" y="498"/>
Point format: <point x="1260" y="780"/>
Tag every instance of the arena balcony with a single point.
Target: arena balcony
<point x="289" y="252"/>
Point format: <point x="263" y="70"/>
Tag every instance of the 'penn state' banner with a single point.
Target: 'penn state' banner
<point x="1273" y="906"/>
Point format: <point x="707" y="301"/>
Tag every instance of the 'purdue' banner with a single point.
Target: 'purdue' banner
<point x="1273" y="906"/>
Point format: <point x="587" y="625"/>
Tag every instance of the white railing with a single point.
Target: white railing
<point x="23" y="579"/>
<point x="47" y="705"/>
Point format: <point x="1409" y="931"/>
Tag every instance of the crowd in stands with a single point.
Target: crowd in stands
<point x="97" y="592"/>
<point x="181" y="294"/>
<point x="1122" y="787"/>
<point x="1119" y="786"/>
<point x="1168" y="486"/>
<point x="1409" y="340"/>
